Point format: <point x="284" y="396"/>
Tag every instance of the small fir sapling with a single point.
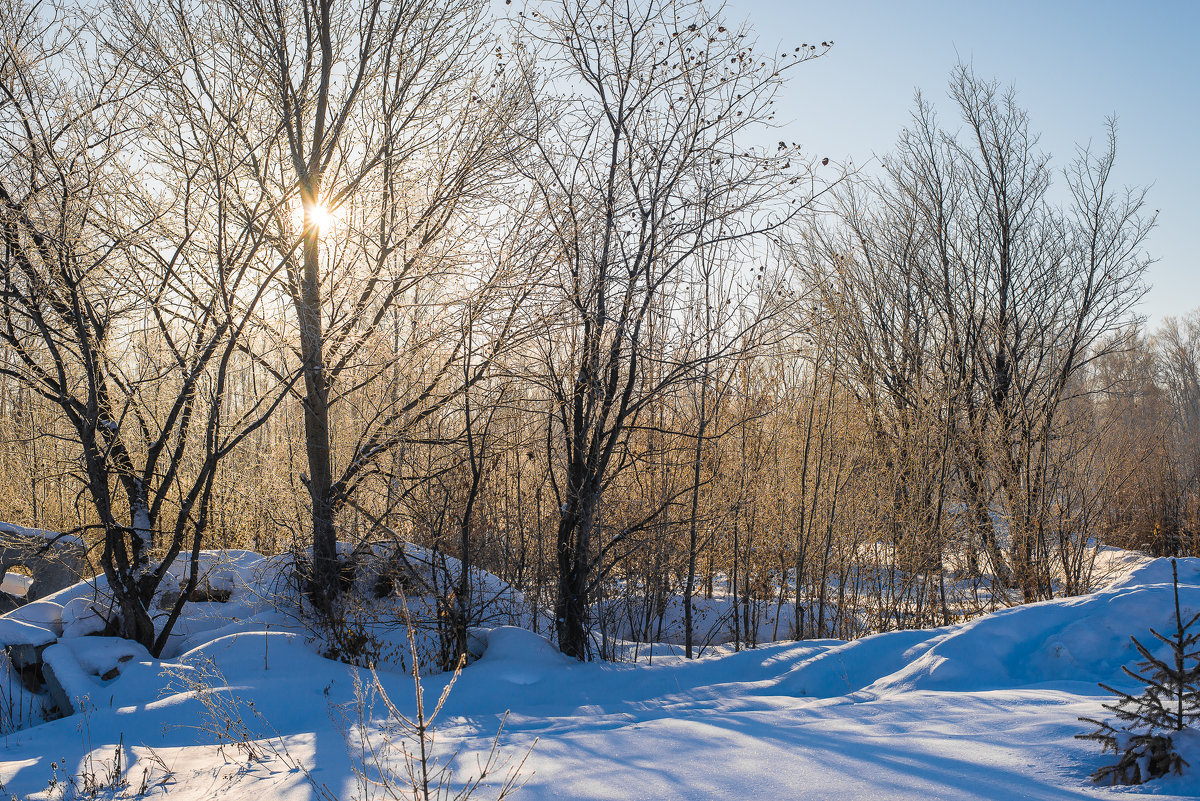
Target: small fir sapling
<point x="1140" y="731"/>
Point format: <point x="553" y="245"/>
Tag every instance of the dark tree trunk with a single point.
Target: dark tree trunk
<point x="574" y="548"/>
<point x="323" y="579"/>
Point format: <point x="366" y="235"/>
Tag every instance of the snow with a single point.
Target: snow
<point x="986" y="709"/>
<point x="40" y="613"/>
<point x="82" y="616"/>
<point x="517" y="656"/>
<point x="87" y="667"/>
<point x="52" y="536"/>
<point x="141" y="522"/>
<point x="20" y="632"/>
<point x="16" y="584"/>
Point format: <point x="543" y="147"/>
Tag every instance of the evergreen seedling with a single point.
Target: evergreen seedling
<point x="1140" y="731"/>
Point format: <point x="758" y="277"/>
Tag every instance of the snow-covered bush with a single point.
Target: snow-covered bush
<point x="1140" y="731"/>
<point x="391" y="586"/>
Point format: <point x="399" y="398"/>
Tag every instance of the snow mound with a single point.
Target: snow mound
<point x="81" y="617"/>
<point x="47" y="614"/>
<point x="1082" y="639"/>
<point x="851" y="666"/>
<point x="1153" y="572"/>
<point x="20" y="632"/>
<point x="82" y="671"/>
<point x="518" y="656"/>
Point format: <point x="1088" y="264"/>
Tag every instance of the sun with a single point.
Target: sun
<point x="323" y="218"/>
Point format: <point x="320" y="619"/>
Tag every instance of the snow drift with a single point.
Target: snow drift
<point x="983" y="709"/>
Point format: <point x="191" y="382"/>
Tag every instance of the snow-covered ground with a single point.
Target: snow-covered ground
<point x="982" y="710"/>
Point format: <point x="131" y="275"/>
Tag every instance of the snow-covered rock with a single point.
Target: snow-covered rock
<point x="20" y="632"/>
<point x="83" y="616"/>
<point x="47" y="614"/>
<point x="75" y="669"/>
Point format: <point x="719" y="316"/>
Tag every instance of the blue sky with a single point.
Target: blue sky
<point x="1073" y="63"/>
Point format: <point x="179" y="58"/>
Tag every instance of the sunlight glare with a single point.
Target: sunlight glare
<point x="322" y="217"/>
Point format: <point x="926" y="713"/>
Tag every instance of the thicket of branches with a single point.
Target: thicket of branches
<point x="554" y="296"/>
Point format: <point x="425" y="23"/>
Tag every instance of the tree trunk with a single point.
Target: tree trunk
<point x="689" y="587"/>
<point x="571" y="604"/>
<point x="323" y="586"/>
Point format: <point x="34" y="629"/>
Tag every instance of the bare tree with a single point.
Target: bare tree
<point x="124" y="303"/>
<point x="974" y="306"/>
<point x="373" y="128"/>
<point x="643" y="168"/>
